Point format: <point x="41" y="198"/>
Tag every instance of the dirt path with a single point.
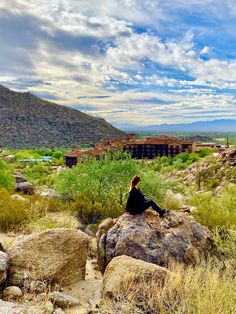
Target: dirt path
<point x="87" y="291"/>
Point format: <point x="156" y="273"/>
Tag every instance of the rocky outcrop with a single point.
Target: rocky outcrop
<point x="55" y="256"/>
<point x="229" y="156"/>
<point x="128" y="272"/>
<point x="219" y="169"/>
<point x="153" y="239"/>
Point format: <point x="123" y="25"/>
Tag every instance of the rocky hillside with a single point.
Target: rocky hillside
<point x="27" y="121"/>
<point x="213" y="172"/>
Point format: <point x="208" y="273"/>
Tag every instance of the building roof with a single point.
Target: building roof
<point x="108" y="145"/>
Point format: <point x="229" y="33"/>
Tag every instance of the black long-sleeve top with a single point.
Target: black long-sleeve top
<point x="135" y="202"/>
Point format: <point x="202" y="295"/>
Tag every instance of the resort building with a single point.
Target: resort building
<point x="139" y="148"/>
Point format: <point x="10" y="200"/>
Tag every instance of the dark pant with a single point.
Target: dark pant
<point x="151" y="203"/>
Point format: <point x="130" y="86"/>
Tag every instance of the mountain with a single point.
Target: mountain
<point x="223" y="125"/>
<point x="27" y="121"/>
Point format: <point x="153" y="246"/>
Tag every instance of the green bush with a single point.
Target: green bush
<point x="39" y="173"/>
<point x="167" y="164"/>
<point x="7" y="179"/>
<point x="153" y="186"/>
<point x="217" y="211"/>
<point x="98" y="188"/>
<point x="25" y="154"/>
<point x="206" y="151"/>
<point x="99" y="179"/>
<point x="211" y="183"/>
<point x="57" y="155"/>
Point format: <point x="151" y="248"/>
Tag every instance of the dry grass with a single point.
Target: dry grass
<point x="53" y="220"/>
<point x="7" y="239"/>
<point x="203" y="289"/>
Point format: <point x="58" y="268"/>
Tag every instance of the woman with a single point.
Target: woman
<point x="137" y="203"/>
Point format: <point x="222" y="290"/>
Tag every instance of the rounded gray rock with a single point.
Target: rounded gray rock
<point x="12" y="293"/>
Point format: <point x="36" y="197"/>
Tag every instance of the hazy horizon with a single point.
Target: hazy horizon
<point x="128" y="61"/>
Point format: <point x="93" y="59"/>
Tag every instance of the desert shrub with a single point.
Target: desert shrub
<point x="212" y="183"/>
<point x="25" y="154"/>
<point x="216" y="211"/>
<point x="35" y="212"/>
<point x="39" y="173"/>
<point x="201" y="289"/>
<point x="206" y="151"/>
<point x="172" y="203"/>
<point x="57" y="154"/>
<point x="13" y="213"/>
<point x="167" y="164"/>
<point x="37" y="170"/>
<point x="7" y="179"/>
<point x="153" y="186"/>
<point x="92" y="212"/>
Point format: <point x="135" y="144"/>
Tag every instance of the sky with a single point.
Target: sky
<point x="129" y="61"/>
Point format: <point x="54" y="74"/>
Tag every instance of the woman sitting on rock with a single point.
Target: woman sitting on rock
<point x="137" y="203"/>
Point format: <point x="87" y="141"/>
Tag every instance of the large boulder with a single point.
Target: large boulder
<point x="20" y="179"/>
<point x="25" y="187"/>
<point x="14" y="308"/>
<point x="4" y="264"/>
<point x="12" y="293"/>
<point x="55" y="256"/>
<point x="124" y="276"/>
<point x="153" y="239"/>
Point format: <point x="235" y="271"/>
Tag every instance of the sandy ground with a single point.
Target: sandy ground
<point x="88" y="291"/>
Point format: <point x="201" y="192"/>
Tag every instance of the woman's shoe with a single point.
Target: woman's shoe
<point x="164" y="212"/>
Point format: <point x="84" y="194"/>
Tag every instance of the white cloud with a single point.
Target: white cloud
<point x="205" y="50"/>
<point x="118" y="53"/>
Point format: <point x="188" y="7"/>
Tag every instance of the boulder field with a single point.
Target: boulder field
<point x="51" y="265"/>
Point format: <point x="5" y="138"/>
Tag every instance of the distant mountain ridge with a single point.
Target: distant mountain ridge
<point x="27" y="121"/>
<point x="221" y="125"/>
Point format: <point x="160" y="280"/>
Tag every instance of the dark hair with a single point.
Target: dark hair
<point x="134" y="182"/>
